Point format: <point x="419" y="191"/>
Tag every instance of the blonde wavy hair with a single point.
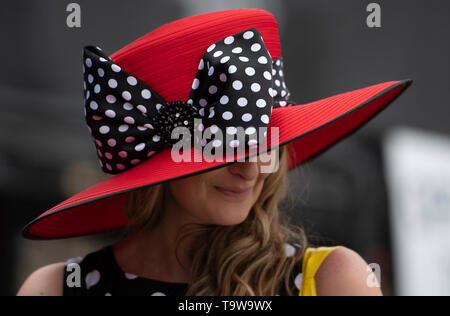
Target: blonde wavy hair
<point x="248" y="259"/>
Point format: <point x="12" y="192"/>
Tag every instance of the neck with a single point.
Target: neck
<point x="151" y="254"/>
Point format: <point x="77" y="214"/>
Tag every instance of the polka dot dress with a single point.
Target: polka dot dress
<point x="102" y="276"/>
<point x="236" y="86"/>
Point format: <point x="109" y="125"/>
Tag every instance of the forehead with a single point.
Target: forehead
<point x="167" y="58"/>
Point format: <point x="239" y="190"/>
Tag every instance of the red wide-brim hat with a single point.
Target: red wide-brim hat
<point x="172" y="69"/>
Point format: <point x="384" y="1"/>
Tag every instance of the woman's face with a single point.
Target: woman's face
<point x="207" y="197"/>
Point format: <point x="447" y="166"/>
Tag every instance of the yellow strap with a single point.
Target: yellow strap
<point x="312" y="260"/>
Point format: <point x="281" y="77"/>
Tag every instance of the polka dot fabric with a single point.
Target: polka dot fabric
<point x="235" y="89"/>
<point x="117" y="110"/>
<point x="102" y="276"/>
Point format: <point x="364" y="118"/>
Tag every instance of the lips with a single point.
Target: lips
<point x="233" y="192"/>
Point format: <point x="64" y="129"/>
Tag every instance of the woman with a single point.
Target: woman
<point x="202" y="227"/>
<point x="240" y="235"/>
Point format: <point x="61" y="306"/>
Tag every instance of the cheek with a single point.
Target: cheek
<point x="258" y="187"/>
<point x="189" y="194"/>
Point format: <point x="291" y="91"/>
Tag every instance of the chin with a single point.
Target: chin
<point x="231" y="218"/>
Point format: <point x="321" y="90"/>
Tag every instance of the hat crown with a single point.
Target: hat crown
<point x="167" y="58"/>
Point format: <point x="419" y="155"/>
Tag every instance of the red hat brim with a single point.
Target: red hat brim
<point x="307" y="129"/>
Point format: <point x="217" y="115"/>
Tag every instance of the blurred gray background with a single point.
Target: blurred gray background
<point x="46" y="153"/>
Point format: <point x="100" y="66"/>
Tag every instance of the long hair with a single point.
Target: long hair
<point x="245" y="259"/>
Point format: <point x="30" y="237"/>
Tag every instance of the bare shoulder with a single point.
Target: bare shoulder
<point x="345" y="273"/>
<point x="45" y="281"/>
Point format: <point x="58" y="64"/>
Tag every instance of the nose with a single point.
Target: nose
<point x="247" y="170"/>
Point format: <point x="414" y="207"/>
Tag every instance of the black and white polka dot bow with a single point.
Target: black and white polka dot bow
<point x="236" y="86"/>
